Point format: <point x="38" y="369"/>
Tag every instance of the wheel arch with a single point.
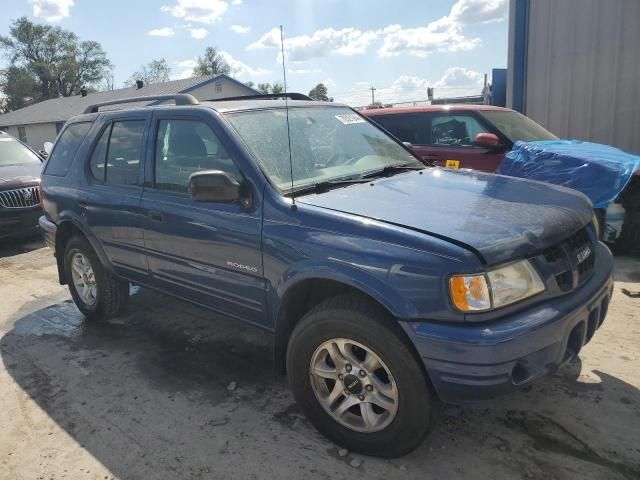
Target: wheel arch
<point x="305" y="293"/>
<point x="67" y="228"/>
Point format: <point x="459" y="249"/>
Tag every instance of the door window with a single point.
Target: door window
<point x="116" y="157"/>
<point x="454" y="130"/>
<point x="407" y="127"/>
<point x="184" y="147"/>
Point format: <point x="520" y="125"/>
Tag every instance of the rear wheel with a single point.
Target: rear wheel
<point x="97" y="292"/>
<point x="358" y="379"/>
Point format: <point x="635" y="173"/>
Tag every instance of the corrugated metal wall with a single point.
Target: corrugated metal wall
<point x="583" y="69"/>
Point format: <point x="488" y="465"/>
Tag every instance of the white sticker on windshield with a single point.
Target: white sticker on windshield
<point x="350" y="118"/>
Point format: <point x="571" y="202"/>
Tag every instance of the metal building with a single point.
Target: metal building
<point x="574" y="67"/>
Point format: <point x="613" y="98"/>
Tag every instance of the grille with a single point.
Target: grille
<point x="20" y="197"/>
<point x="568" y="270"/>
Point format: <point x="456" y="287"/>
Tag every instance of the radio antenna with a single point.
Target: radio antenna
<point x="286" y="108"/>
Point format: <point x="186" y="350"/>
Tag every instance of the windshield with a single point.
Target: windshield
<point x="327" y="143"/>
<point x="12" y="152"/>
<point x="516" y="126"/>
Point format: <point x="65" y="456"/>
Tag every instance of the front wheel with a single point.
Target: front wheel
<point x="357" y="378"/>
<point x="97" y="293"/>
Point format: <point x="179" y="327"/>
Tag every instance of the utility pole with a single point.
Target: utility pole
<point x="373" y="97"/>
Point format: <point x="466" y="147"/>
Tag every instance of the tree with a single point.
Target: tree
<point x="48" y="62"/>
<point x="267" y="88"/>
<point x="156" y="71"/>
<point x="211" y="64"/>
<point x="249" y="84"/>
<point x="319" y="92"/>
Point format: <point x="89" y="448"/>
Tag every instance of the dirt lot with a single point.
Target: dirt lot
<point x="146" y="396"/>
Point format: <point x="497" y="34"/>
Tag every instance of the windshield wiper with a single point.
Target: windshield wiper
<point x="393" y="169"/>
<point x="327" y="185"/>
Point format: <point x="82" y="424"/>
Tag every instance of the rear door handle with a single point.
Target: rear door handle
<point x="155" y="215"/>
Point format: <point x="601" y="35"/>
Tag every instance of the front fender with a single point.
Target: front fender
<point x="354" y="276"/>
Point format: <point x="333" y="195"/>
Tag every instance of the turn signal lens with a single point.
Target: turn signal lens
<point x="470" y="293"/>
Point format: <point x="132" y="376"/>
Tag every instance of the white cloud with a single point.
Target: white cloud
<point x="455" y="82"/>
<point x="162" y="32"/>
<point x="444" y="34"/>
<point x="347" y="41"/>
<point x="303" y="71"/>
<point x="236" y="2"/>
<point x="479" y="11"/>
<point x="238" y="68"/>
<point x="239" y="29"/>
<point x="198" y="32"/>
<point x="51" y="10"/>
<point x="199" y="11"/>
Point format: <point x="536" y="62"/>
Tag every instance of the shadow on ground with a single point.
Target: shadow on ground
<point x="11" y="247"/>
<point x="173" y="391"/>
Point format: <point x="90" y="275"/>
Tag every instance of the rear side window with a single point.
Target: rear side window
<point x="116" y="157"/>
<point x="66" y="148"/>
<point x="407" y="127"/>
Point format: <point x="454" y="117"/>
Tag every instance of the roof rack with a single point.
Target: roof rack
<point x="179" y="98"/>
<point x="264" y="96"/>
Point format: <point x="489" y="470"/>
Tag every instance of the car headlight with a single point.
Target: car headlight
<point x="496" y="288"/>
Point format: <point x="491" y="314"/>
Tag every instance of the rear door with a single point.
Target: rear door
<point x="451" y="136"/>
<point x="111" y="201"/>
<point x="209" y="253"/>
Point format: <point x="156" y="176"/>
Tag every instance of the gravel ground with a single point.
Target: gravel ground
<point x="172" y="391"/>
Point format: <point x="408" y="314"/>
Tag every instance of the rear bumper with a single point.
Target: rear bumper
<point x="48" y="229"/>
<point x="18" y="222"/>
<point x="467" y="362"/>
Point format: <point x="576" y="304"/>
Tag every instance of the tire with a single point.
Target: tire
<point x="362" y="328"/>
<point x="110" y="293"/>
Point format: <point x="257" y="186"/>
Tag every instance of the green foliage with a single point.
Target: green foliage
<point x="267" y="88"/>
<point x="212" y="63"/>
<point x="156" y="71"/>
<point x="48" y="62"/>
<point x="319" y="92"/>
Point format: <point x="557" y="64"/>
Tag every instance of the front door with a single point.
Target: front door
<point x="451" y="136"/>
<point x="209" y="253"/>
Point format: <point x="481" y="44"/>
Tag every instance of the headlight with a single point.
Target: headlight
<point x="498" y="287"/>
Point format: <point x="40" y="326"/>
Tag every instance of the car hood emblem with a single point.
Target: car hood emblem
<point x="583" y="254"/>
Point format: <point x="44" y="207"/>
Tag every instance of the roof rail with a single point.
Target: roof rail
<point x="264" y="96"/>
<point x="179" y="98"/>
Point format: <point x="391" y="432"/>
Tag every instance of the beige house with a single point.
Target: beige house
<point x="41" y="122"/>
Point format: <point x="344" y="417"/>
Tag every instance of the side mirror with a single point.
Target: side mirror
<point x="47" y="148"/>
<point x="214" y="186"/>
<point x="486" y="140"/>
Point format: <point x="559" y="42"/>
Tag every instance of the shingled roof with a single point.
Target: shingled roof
<point x="63" y="108"/>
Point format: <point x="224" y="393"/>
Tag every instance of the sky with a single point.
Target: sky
<point x="399" y="47"/>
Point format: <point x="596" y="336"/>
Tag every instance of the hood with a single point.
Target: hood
<point x="498" y="217"/>
<point x="14" y="176"/>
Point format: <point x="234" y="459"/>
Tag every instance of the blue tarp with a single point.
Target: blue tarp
<point x="601" y="172"/>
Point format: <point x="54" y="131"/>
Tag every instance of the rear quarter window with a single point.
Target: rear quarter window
<point x="65" y="149"/>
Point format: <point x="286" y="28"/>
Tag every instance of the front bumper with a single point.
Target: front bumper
<point x="467" y="362"/>
<point x="18" y="222"/>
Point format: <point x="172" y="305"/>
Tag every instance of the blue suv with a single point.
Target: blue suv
<point x="388" y="284"/>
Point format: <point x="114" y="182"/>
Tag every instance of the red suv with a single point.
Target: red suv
<point x="460" y="136"/>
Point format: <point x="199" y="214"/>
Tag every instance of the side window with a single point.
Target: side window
<point x="454" y="130"/>
<point x="116" y="157"/>
<point x="407" y="127"/>
<point x="184" y="147"/>
<point x="66" y="148"/>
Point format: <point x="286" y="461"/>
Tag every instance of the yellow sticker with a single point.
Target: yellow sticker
<point x="453" y="164"/>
